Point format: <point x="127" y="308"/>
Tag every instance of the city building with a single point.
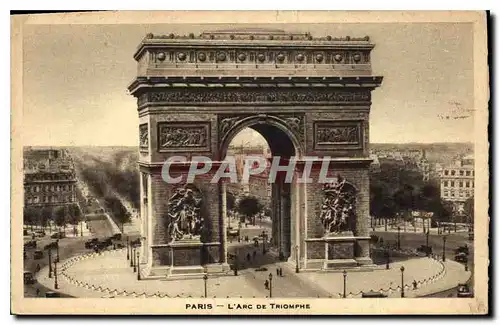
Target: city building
<point x="258" y="185"/>
<point x="375" y="165"/>
<point x="457" y="183"/>
<point x="49" y="177"/>
<point x="424" y="166"/>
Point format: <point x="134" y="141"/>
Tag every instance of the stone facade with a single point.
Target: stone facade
<point x="187" y="108"/>
<point x="49" y="178"/>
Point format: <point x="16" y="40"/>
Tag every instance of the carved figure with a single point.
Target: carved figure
<point x="184" y="214"/>
<point x="143" y="136"/>
<point x="176" y="137"/>
<point x="333" y="134"/>
<point x="338" y="206"/>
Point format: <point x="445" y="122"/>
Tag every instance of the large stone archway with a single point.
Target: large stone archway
<point x="309" y="97"/>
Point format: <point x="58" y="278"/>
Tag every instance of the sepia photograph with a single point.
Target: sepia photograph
<point x="253" y="163"/>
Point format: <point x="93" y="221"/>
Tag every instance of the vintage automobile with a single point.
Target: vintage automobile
<point x="52" y="294"/>
<point x="90" y="243"/>
<point x="461" y="258"/>
<point x="30" y="244"/>
<point x="40" y="233"/>
<point x="28" y="277"/>
<point x="117" y="236"/>
<point x="38" y="255"/>
<point x="462" y="249"/>
<point x="58" y="235"/>
<point x="425" y="249"/>
<point x="373" y="294"/>
<point x="464" y="291"/>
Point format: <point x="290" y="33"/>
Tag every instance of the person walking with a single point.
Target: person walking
<point x="277" y="271"/>
<point x="281" y="271"/>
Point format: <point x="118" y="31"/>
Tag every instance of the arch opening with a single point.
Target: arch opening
<point x="272" y="225"/>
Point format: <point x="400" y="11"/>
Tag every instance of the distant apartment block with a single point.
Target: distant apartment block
<point x="49" y="177"/>
<point x="457" y="182"/>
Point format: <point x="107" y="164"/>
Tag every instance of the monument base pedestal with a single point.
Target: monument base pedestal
<point x="338" y="252"/>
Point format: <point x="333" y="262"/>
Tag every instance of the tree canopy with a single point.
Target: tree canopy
<point x="397" y="190"/>
<point x="249" y="206"/>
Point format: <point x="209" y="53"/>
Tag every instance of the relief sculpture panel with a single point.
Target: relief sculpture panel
<point x="143" y="137"/>
<point x="174" y="136"/>
<point x="338" y="134"/>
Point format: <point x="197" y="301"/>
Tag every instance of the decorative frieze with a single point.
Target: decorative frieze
<point x="251" y="56"/>
<point x="245" y="95"/>
<point x="180" y="136"/>
<point x="338" y="135"/>
<point x="143" y="137"/>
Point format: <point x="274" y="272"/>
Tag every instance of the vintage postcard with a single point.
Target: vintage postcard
<point x="250" y="163"/>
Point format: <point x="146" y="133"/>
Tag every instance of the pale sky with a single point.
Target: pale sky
<point x="75" y="80"/>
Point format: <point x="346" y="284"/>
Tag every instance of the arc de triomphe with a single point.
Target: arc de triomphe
<point x="309" y="97"/>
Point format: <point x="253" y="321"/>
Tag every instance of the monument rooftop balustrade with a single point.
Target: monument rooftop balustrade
<point x="253" y="53"/>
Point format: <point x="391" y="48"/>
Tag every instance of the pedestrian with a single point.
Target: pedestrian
<point x="37" y="292"/>
<point x="266" y="284"/>
<point x="37" y="268"/>
<point x="248" y="257"/>
<point x="281" y="271"/>
<point x="278" y="272"/>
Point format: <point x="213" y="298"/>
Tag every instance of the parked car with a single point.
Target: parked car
<point x="28" y="277"/>
<point x="116" y="237"/>
<point x="30" y="244"/>
<point x="38" y="255"/>
<point x="373" y="294"/>
<point x="90" y="243"/>
<point x="461" y="258"/>
<point x="52" y="294"/>
<point x="58" y="235"/>
<point x="425" y="249"/>
<point x="464" y="291"/>
<point x="40" y="233"/>
<point x="462" y="249"/>
<point x="52" y="245"/>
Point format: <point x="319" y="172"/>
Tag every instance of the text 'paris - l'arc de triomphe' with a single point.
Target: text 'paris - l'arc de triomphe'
<point x="307" y="96"/>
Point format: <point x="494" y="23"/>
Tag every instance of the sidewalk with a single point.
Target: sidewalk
<point x="109" y="275"/>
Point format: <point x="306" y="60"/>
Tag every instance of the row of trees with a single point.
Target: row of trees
<point x="59" y="215"/>
<point x="248" y="207"/>
<point x="117" y="211"/>
<point x="398" y="191"/>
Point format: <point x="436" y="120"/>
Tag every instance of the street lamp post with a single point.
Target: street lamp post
<point x="444" y="248"/>
<point x="81" y="228"/>
<point x="128" y="250"/>
<point x="399" y="238"/>
<point x="344" y="273"/>
<point x="50" y="263"/>
<point x="205" y="278"/>
<point x="296" y="258"/>
<point x="427" y="238"/>
<point x="138" y="268"/>
<point x="402" y="282"/>
<point x="133" y="260"/>
<point x="264" y="237"/>
<point x="270" y="285"/>
<point x="57" y="249"/>
<point x="56" y="285"/>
